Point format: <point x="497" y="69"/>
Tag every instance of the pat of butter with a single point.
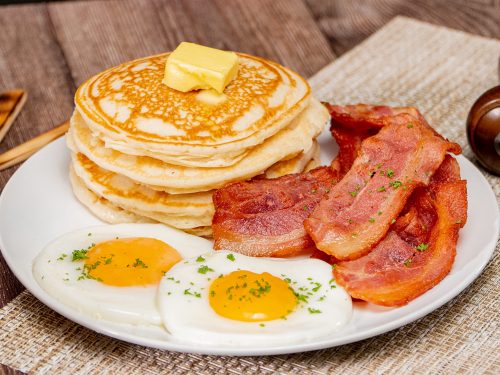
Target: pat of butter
<point x="193" y="67"/>
<point x="211" y="97"/>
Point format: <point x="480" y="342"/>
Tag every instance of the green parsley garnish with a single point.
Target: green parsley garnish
<point x="262" y="325"/>
<point x="139" y="263"/>
<point x="379" y="213"/>
<point x="353" y="193"/>
<point x="422" y="246"/>
<point x="231" y="257"/>
<point x="62" y="257"/>
<point x="305" y="208"/>
<point x="381" y="189"/>
<point x="395" y="184"/>
<point x="316" y="288"/>
<point x="371" y="220"/>
<point x="407" y="262"/>
<point x="313" y="311"/>
<point x="204" y="269"/>
<point x="301" y="297"/>
<point x="410" y="125"/>
<point x="200" y="259"/>
<point x="389" y="172"/>
<point x="79" y="255"/>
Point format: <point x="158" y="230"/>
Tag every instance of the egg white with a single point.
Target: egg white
<point x="58" y="275"/>
<point x="186" y="312"/>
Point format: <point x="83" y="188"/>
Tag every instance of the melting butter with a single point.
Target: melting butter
<point x="192" y="67"/>
<point x="211" y="97"/>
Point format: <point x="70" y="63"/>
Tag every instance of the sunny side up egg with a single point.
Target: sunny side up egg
<point x="229" y="299"/>
<point x="112" y="272"/>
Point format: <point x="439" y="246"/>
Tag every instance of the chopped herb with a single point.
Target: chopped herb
<point x="200" y="259"/>
<point x="408" y="262"/>
<point x="287" y="280"/>
<point x="327" y="190"/>
<point x="305" y="208"/>
<point x="108" y="261"/>
<point x="353" y="193"/>
<point x="197" y="295"/>
<point x="169" y="293"/>
<point x="301" y="297"/>
<point x="139" y="263"/>
<point x="204" y="269"/>
<point x="379" y="165"/>
<point x="410" y="125"/>
<point x="212" y="293"/>
<point x="371" y="220"/>
<point x="79" y="255"/>
<point x="372" y="173"/>
<point x="381" y="189"/>
<point x="316" y="288"/>
<point x="354" y="235"/>
<point x="90" y="234"/>
<point x="422" y="246"/>
<point x="314" y="191"/>
<point x="322" y="298"/>
<point x="389" y="172"/>
<point x="231" y="257"/>
<point x="379" y="213"/>
<point x="262" y="325"/>
<point x="333" y="266"/>
<point x="62" y="257"/>
<point x="187" y="292"/>
<point x="395" y="184"/>
<point x="393" y="221"/>
<point x="313" y="311"/>
<point x="350" y="221"/>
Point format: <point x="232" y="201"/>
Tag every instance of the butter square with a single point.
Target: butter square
<point x="192" y="67"/>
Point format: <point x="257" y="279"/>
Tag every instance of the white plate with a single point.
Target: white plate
<point x="37" y="205"/>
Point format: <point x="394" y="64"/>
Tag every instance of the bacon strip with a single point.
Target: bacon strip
<point x="418" y="251"/>
<point x="352" y="124"/>
<point x="265" y="217"/>
<point x="357" y="213"/>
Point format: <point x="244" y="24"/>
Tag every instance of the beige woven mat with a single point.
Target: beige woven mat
<point x="407" y="62"/>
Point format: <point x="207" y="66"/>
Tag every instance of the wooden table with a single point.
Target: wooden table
<point x="50" y="49"/>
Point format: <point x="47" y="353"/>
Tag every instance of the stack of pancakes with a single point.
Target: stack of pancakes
<point x="144" y="152"/>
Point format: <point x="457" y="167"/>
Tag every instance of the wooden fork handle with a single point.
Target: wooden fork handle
<point x="20" y="153"/>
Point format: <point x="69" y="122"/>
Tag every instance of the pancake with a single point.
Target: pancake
<point x="100" y="207"/>
<point x="112" y="213"/>
<point x="296" y="164"/>
<point x="129" y="109"/>
<point x="176" y="179"/>
<point x="123" y="191"/>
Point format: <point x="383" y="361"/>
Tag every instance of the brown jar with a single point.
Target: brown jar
<point x="483" y="129"/>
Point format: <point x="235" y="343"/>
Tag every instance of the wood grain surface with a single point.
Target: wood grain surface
<point x="49" y="49"/>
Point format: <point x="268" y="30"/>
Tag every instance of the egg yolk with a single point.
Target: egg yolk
<point x="130" y="261"/>
<point x="251" y="297"/>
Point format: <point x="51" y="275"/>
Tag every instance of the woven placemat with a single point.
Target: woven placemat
<point x="408" y="63"/>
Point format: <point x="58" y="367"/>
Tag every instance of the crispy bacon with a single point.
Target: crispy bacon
<point x="265" y="217"/>
<point x="357" y="213"/>
<point x="419" y="249"/>
<point x="352" y="124"/>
